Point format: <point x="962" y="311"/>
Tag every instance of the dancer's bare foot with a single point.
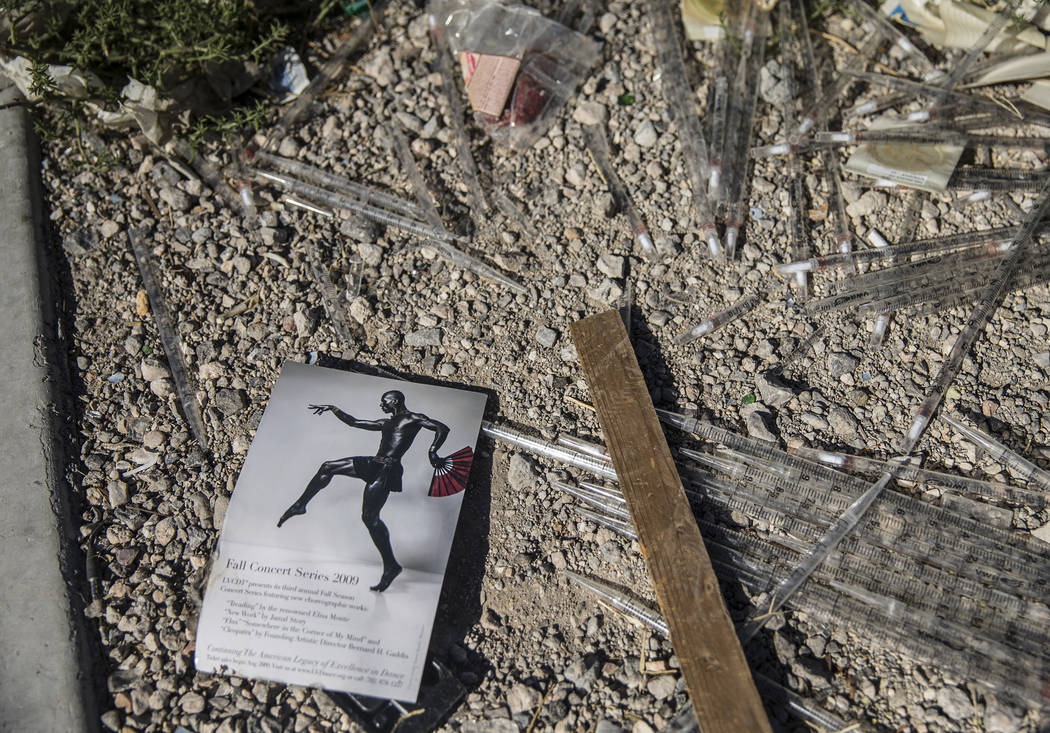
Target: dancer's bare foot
<point x="293" y="511"/>
<point x="388" y="577"/>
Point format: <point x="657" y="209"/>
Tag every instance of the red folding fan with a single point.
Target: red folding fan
<point x="451" y="476"/>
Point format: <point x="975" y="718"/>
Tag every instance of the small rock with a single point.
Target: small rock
<point x="118" y="493"/>
<point x="661" y="686"/>
<point x="521" y="476"/>
<point x="842" y="421"/>
<point x="425" y="337"/>
<point x="108" y="228"/>
<point x="546" y="337"/>
<point x="522" y="698"/>
<point x="558" y="560"/>
<point x="210" y="370"/>
<point x="1042" y="359"/>
<point x="955" y="703"/>
<point x="645" y="136"/>
<point x="611" y="265"/>
<point x="230" y="401"/>
<point x="372" y="254"/>
<point x="218" y="513"/>
<point x="191" y="703"/>
<point x="869" y="203"/>
<point x="1043" y="533"/>
<point x="153" y="439"/>
<point x="152" y="371"/>
<point x="773" y="392"/>
<point x="589" y="113"/>
<point x="288" y="148"/>
<point x="360" y="310"/>
<point x="814" y="421"/>
<point x="161" y="387"/>
<point x="840" y="363"/>
<point x="611" y="552"/>
<point x="164" y="532"/>
<point x="757" y="427"/>
<point x="606" y="22"/>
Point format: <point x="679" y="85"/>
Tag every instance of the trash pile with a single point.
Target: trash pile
<point x="869" y="196"/>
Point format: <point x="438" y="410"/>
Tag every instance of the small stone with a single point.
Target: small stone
<point x="1043" y="533"/>
<point x="425" y="337"/>
<point x="191" y="703"/>
<point x="118" y="493"/>
<point x="490" y="620"/>
<point x="210" y="370"/>
<point x="842" y="421"/>
<point x="558" y="560"/>
<point x="152" y="371"/>
<point x="607" y="726"/>
<point x="589" y="113"/>
<point x="1042" y="359"/>
<point x="757" y="427"/>
<point x="218" y="512"/>
<point x="372" y="254"/>
<point x="288" y="148"/>
<point x="611" y="265"/>
<point x="661" y="686"/>
<point x="522" y="698"/>
<point x="869" y="203"/>
<point x="546" y="337"/>
<point x="133" y="345"/>
<point x="576" y="176"/>
<point x="955" y="703"/>
<point x="840" y="363"/>
<point x="161" y="387"/>
<point x="141" y="304"/>
<point x="108" y="228"/>
<point x="521" y="476"/>
<point x="360" y="310"/>
<point x="814" y="421"/>
<point x="645" y="136"/>
<point x="773" y="392"/>
<point x="611" y="552"/>
<point x="153" y="439"/>
<point x="164" y="532"/>
<point x="230" y="401"/>
<point x="606" y="22"/>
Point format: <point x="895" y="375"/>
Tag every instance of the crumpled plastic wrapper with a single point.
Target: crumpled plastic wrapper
<point x="953" y="24"/>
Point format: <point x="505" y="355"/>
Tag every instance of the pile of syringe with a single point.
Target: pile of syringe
<point x="914" y="577"/>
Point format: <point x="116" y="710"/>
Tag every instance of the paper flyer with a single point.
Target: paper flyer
<point x="333" y="551"/>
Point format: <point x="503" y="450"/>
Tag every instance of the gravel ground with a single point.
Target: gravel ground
<point x="532" y="650"/>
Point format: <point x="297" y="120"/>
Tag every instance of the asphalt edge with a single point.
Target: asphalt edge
<point x="46" y="641"/>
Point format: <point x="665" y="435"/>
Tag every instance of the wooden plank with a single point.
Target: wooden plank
<point x="713" y="663"/>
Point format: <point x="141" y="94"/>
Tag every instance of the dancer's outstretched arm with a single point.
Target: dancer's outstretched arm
<point x="348" y="418"/>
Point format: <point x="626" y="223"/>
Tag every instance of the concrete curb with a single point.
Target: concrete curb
<point x="42" y="687"/>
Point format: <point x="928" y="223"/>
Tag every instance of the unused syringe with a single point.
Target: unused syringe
<point x="577" y="444"/>
<point x="1022" y="466"/>
<point x="713" y="322"/>
<point x="740" y="124"/>
<point x="799" y="245"/>
<point x="681" y="100"/>
<point x="921" y="135"/>
<point x="994" y="239"/>
<point x="545" y="448"/>
<point x="323" y="178"/>
<point x="983" y="490"/>
<point x="170" y="341"/>
<point x="336" y="200"/>
<point x="430" y="212"/>
<point x="832" y="165"/>
<point x="598" y="147"/>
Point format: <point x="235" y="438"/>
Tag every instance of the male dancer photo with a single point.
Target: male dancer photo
<point x="381" y="473"/>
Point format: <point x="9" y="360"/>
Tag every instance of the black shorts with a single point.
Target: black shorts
<point x="371" y="470"/>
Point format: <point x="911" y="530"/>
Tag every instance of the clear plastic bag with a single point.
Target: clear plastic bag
<point x="518" y="66"/>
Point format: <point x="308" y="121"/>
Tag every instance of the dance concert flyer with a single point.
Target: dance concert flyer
<point x="331" y="558"/>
